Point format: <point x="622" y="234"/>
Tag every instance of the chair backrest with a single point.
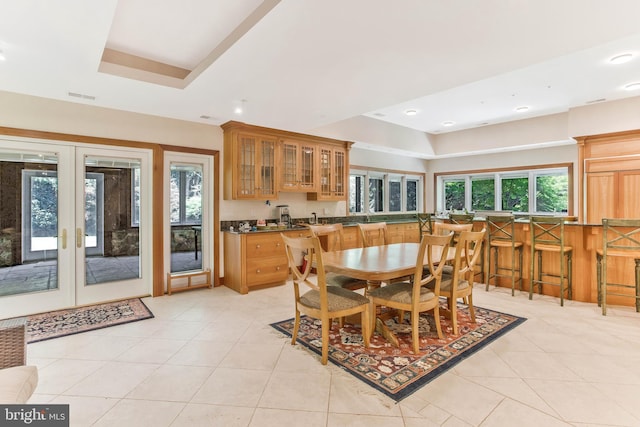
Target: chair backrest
<point x="425" y="223"/>
<point x="429" y="243"/>
<point x="468" y="251"/>
<point x="440" y="228"/>
<point x="501" y="228"/>
<point x="331" y="236"/>
<point x="310" y="245"/>
<point x="620" y="234"/>
<point x="461" y="218"/>
<point x="547" y="230"/>
<point x="373" y="234"/>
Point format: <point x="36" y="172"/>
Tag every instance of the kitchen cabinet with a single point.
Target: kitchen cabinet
<point x="250" y="166"/>
<point x="260" y="162"/>
<point x="256" y="259"/>
<point x="298" y="165"/>
<point x="611" y="175"/>
<point x="333" y="174"/>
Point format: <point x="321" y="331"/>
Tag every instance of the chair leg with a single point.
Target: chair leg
<point x="436" y="318"/>
<point x="513" y="272"/>
<point x="372" y="318"/>
<point x="366" y="322"/>
<point x="531" y="273"/>
<point x="453" y="308"/>
<point x="521" y="259"/>
<point x="296" y="327"/>
<point x="637" y="285"/>
<point x="599" y="278"/>
<point x="400" y="316"/>
<point x="472" y="311"/>
<point x="415" y="332"/>
<point x="540" y="272"/>
<point x="326" y="325"/>
<point x="570" y="276"/>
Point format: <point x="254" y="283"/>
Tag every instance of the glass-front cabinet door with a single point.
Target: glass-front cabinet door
<point x="256" y="167"/>
<point x="297" y="166"/>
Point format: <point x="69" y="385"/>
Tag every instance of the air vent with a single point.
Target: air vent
<point x="379" y="115"/>
<point x="595" y="101"/>
<point x="81" y="96"/>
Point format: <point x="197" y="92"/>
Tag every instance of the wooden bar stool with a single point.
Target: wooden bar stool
<point x="425" y="223"/>
<point x="547" y="235"/>
<point x="620" y="239"/>
<point x="501" y="235"/>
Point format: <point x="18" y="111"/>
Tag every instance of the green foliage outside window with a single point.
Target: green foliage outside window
<point x="454" y="195"/>
<point x="515" y="194"/>
<point x="552" y="193"/>
<point x="483" y="194"/>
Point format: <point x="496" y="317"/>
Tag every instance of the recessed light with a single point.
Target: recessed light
<point x="2" y="57"/>
<point x="522" y="109"/>
<point x="632" y="86"/>
<point x="448" y="123"/>
<point x="411" y="112"/>
<point x="621" y="59"/>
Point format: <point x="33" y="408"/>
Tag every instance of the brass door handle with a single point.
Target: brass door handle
<point x="64" y="238"/>
<point x="78" y="237"/>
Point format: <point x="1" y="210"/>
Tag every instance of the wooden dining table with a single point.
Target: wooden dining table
<point x="377" y="264"/>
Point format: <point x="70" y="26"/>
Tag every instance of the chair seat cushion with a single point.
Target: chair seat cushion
<point x="17" y="384"/>
<point x="339" y="299"/>
<point x="447" y="280"/>
<point x="552" y="248"/>
<point x="401" y="292"/>
<point x="505" y="244"/>
<point x="334" y="279"/>
<point x="620" y="253"/>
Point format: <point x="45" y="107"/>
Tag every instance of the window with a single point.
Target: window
<point x="454" y="194"/>
<point x="356" y="193"/>
<point x="186" y="186"/>
<point x="536" y="190"/>
<point x="387" y="192"/>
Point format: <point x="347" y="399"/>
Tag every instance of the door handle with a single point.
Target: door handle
<point x="64" y="238"/>
<point x="78" y="237"/>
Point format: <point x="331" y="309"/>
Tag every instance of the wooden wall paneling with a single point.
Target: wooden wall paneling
<point x="601" y="196"/>
<point x="629" y="194"/>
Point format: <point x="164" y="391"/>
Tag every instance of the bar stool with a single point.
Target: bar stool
<point x="547" y="235"/>
<point x="501" y="235"/>
<point x="620" y="239"/>
<point x="425" y="223"/>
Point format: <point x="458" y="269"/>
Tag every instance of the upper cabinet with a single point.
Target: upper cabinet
<point x="610" y="176"/>
<point x="260" y="162"/>
<point x="333" y="174"/>
<point x="298" y="166"/>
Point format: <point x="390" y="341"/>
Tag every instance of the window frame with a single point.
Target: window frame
<point x="386" y="176"/>
<point x="531" y="172"/>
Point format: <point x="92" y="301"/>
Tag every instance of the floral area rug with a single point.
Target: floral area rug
<point x="60" y="323"/>
<point x="397" y="372"/>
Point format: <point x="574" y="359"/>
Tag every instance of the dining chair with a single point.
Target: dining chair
<point x="321" y="301"/>
<point x="373" y="234"/>
<point x="501" y="236"/>
<point x="425" y="223"/>
<point x="331" y="237"/>
<point x="620" y="240"/>
<point x="440" y="228"/>
<point x="467" y="218"/>
<point x="547" y="235"/>
<point x="459" y="283"/>
<point x="414" y="296"/>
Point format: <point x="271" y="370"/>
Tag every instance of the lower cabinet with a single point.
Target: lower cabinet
<point x="255" y="260"/>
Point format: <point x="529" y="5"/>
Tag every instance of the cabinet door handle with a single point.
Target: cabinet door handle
<point x="278" y="245"/>
<point x="257" y="246"/>
<point x="78" y="237"/>
<point x="278" y="268"/>
<point x="258" y="271"/>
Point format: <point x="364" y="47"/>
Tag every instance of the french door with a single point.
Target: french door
<point x="75" y="225"/>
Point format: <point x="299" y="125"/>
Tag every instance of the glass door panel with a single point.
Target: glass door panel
<point x="34" y="228"/>
<point x="186" y="217"/>
<point x="112" y="232"/>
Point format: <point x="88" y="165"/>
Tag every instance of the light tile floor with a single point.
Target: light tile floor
<point x="210" y="358"/>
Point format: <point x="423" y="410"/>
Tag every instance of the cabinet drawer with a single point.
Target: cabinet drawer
<point x="267" y="270"/>
<point x="265" y="245"/>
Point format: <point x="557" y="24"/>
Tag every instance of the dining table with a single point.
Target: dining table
<point x="377" y="264"/>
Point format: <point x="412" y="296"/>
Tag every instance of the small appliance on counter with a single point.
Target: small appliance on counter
<point x="283" y="215"/>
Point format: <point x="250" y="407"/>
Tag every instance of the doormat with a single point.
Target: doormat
<point x="397" y="372"/>
<point x="55" y="324"/>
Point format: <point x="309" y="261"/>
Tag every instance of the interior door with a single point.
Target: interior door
<point x="75" y="225"/>
<point x="36" y="227"/>
<point x="115" y="219"/>
<point x="188" y="218"/>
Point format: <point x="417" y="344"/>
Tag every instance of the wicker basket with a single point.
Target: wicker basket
<point x="13" y="342"/>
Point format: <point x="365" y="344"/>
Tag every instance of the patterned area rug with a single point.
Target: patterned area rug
<point x="60" y="323"/>
<point x="397" y="372"/>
